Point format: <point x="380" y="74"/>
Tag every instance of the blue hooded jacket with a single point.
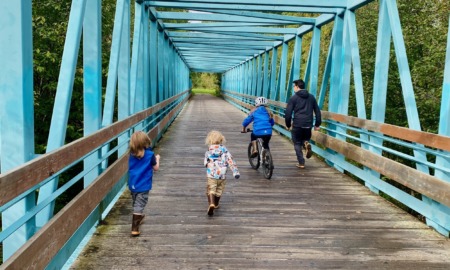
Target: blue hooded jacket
<point x="262" y="123"/>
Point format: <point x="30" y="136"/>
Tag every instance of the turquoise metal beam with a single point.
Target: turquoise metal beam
<point x="304" y="8"/>
<point x="235" y="17"/>
<point x="136" y="57"/>
<point x="273" y="74"/>
<point x="283" y="71"/>
<point x="239" y="43"/>
<point x="261" y="15"/>
<point x="297" y="58"/>
<point x="267" y="30"/>
<point x="335" y="80"/>
<point x="345" y="76"/>
<point x="217" y="34"/>
<point x="60" y="114"/>
<point x="146" y="59"/>
<point x="252" y="72"/>
<point x="380" y="79"/>
<point x="403" y="66"/>
<point x="116" y="55"/>
<point x="92" y="65"/>
<point x="326" y="74"/>
<point x="123" y="71"/>
<point x="315" y="55"/>
<point x="265" y="83"/>
<point x="357" y="74"/>
<point x="111" y="85"/>
<point x="334" y="98"/>
<point x="408" y="92"/>
<point x="225" y="51"/>
<point x="406" y="80"/>
<point x="166" y="67"/>
<point x="325" y="19"/>
<point x="153" y="46"/>
<point x="444" y="125"/>
<point x="16" y="107"/>
<point x="444" y="128"/>
<point x="181" y="26"/>
<point x="218" y="39"/>
<point x="160" y="65"/>
<point x="303" y="3"/>
<point x="306" y="75"/>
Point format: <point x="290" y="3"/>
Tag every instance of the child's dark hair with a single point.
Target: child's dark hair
<point x="138" y="143"/>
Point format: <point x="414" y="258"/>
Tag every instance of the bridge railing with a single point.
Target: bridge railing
<point x="53" y="243"/>
<point x="348" y="149"/>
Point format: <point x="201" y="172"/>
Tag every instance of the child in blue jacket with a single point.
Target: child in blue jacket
<point x="141" y="164"/>
<point x="263" y="121"/>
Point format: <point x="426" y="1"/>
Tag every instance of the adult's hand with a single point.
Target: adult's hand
<point x="316" y="128"/>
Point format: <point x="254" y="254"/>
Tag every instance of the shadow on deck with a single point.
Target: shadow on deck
<point x="300" y="219"/>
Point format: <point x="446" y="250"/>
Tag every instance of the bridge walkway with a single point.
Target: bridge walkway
<point x="316" y="218"/>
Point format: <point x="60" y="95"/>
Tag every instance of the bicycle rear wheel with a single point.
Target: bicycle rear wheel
<point x="254" y="161"/>
<point x="267" y="164"/>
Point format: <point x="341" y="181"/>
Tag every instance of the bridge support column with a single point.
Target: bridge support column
<point x="16" y="109"/>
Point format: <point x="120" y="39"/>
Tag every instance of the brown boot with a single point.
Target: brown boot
<point x="217" y="202"/>
<point x="307" y="147"/>
<point x="137" y="220"/>
<point x="211" y="199"/>
<point x="255" y="149"/>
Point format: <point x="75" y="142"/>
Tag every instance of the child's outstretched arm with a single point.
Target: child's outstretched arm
<point x="156" y="166"/>
<point x="232" y="165"/>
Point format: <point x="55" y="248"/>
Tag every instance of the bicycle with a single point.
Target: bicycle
<point x="263" y="155"/>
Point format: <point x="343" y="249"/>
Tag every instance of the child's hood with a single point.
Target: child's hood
<point x="216" y="150"/>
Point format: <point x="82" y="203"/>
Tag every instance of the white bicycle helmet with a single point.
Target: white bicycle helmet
<point x="260" y="101"/>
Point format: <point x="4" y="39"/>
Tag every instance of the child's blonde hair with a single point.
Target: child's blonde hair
<point x="138" y="143"/>
<point x="214" y="137"/>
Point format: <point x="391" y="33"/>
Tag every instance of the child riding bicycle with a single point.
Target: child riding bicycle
<point x="262" y="119"/>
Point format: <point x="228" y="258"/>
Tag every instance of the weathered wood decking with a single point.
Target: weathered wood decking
<point x="314" y="218"/>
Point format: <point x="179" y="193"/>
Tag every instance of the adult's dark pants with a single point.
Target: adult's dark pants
<point x="299" y="136"/>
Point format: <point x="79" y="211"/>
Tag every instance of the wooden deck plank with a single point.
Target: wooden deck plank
<point x="314" y="218"/>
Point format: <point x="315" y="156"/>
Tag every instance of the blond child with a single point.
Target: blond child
<point x="217" y="160"/>
<point x="141" y="164"/>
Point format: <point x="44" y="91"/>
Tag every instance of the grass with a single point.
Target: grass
<point x="197" y="91"/>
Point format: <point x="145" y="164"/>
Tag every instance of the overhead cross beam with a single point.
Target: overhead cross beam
<point x="241" y="28"/>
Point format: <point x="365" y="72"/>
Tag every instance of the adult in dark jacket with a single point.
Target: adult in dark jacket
<point x="302" y="105"/>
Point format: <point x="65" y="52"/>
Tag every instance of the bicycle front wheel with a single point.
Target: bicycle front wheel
<point x="254" y="161"/>
<point x="267" y="164"/>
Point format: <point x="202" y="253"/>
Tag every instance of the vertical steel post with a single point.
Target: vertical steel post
<point x="92" y="64"/>
<point x="124" y="72"/>
<point x="61" y="109"/>
<point x="273" y="74"/>
<point x="16" y="109"/>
